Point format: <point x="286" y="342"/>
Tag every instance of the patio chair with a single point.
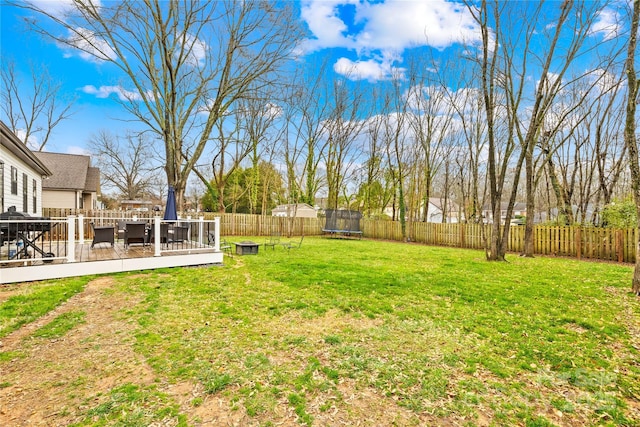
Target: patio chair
<point x="102" y="235"/>
<point x="135" y="232"/>
<point x="164" y="234"/>
<point x="121" y="227"/>
<point x="224" y="245"/>
<point x="180" y="233"/>
<point x="293" y="244"/>
<point x="272" y="241"/>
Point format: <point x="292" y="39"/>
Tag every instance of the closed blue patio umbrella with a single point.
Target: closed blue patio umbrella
<point x="170" y="211"/>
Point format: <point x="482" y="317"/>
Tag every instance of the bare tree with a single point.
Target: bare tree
<point x="341" y="131"/>
<point x="305" y="112"/>
<point x="400" y="156"/>
<point x="188" y="62"/>
<point x="259" y="119"/>
<point x="232" y="147"/>
<point x="630" y="138"/>
<point x="508" y="53"/>
<point x="124" y="163"/>
<point x="608" y="151"/>
<point x="431" y="125"/>
<point x="35" y="113"/>
<point x="374" y="190"/>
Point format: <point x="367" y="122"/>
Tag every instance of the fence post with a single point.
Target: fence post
<point x="578" y="242"/>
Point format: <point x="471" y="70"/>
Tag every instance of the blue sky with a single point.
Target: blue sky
<point x="368" y="40"/>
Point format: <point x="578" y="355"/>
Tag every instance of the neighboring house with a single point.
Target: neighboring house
<point x="519" y="209"/>
<point x="136" y="205"/>
<point x="74" y="184"/>
<point x="435" y="211"/>
<point x="21" y="175"/>
<point x="299" y="210"/>
<point x="592" y="214"/>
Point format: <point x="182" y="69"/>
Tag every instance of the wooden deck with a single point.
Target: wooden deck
<point x="104" y="252"/>
<point x="103" y="258"/>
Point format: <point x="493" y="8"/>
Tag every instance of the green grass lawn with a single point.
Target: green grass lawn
<point x="431" y="335"/>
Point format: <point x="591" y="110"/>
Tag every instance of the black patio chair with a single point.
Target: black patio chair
<point x="164" y="234"/>
<point x="135" y="232"/>
<point x="104" y="234"/>
<point x="180" y="233"/>
<point x="121" y="227"/>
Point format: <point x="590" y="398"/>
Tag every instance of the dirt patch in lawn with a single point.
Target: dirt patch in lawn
<point x="49" y="381"/>
<point x="54" y="382"/>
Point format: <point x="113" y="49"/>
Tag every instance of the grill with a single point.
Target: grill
<point x="11" y="230"/>
<point x="27" y="229"/>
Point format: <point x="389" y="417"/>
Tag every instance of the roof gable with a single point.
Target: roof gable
<point x="68" y="171"/>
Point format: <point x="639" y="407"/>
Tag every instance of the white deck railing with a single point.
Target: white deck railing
<point x="47" y="248"/>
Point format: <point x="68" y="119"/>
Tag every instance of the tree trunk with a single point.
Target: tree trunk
<point x="630" y="129"/>
<point x="527" y="250"/>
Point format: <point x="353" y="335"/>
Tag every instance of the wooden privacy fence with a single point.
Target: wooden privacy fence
<point x="571" y="241"/>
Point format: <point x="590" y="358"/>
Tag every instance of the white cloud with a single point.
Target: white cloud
<point x="196" y="48"/>
<point x="551" y="81"/>
<point x="89" y="47"/>
<point x="380" y="32"/>
<point x="33" y="143"/>
<point x="74" y="149"/>
<point x="607" y="24"/>
<point x="605" y="80"/>
<point x="61" y="8"/>
<point x="328" y="29"/>
<point x="400" y="24"/>
<point x="273" y="111"/>
<point x="106" y="91"/>
<point x="392" y="25"/>
<point x="371" y="69"/>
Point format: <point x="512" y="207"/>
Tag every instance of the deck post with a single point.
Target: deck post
<point x="81" y="229"/>
<point x="200" y="230"/>
<point x="156" y="236"/>
<point x="216" y="231"/>
<point x="71" y="238"/>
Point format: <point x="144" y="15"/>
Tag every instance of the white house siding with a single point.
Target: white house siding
<point x="9" y="159"/>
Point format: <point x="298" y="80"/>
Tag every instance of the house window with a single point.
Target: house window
<point x="14" y="180"/>
<point x="1" y="186"/>
<point x="25" y="193"/>
<point x="35" y="195"/>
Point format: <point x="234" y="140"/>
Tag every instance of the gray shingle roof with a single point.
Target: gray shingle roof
<point x="93" y="180"/>
<point x="69" y="172"/>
